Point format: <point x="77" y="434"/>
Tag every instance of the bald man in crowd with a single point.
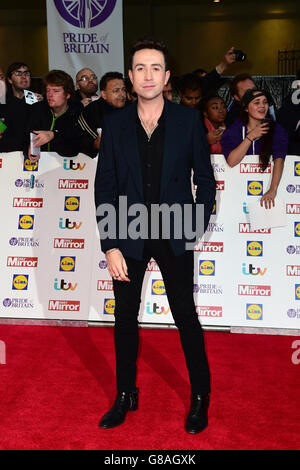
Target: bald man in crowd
<point x="86" y="85"/>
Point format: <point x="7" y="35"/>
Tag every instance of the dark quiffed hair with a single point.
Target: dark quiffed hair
<point x="266" y="139"/>
<point x="150" y="43"/>
<point x="109" y="76"/>
<point x="61" y="78"/>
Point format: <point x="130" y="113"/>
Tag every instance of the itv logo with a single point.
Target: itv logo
<point x="71" y="165"/>
<point x="68" y="224"/>
<point x="63" y="285"/>
<point x="251" y="270"/>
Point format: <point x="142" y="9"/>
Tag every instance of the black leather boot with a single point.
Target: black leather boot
<point x="197" y="419"/>
<point x="125" y="401"/>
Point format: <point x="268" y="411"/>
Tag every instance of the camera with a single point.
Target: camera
<point x="240" y="56"/>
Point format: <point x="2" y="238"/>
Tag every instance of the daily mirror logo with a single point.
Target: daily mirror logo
<point x="21" y="262"/>
<point x="64" y="305"/>
<point x="32" y="203"/>
<point x="72" y="184"/>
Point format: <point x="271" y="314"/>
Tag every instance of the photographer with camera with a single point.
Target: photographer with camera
<point x="212" y="80"/>
<point x="255" y="133"/>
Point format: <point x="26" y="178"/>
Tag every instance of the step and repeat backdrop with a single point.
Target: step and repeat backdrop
<point x="52" y="266"/>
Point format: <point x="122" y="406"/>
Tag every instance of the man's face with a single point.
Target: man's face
<point x="148" y="74"/>
<point x="56" y="97"/>
<point x="190" y="98"/>
<point x="242" y="87"/>
<point x="115" y="93"/>
<point x="20" y="79"/>
<point x="87" y="82"/>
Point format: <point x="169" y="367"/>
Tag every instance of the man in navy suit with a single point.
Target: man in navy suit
<point x="147" y="155"/>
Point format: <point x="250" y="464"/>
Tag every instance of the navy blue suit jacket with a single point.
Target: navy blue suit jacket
<point x="119" y="170"/>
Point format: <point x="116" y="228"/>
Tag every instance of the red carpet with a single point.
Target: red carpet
<point x="58" y="382"/>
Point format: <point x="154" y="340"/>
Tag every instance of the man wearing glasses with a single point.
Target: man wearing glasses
<point x="14" y="112"/>
<point x="86" y="85"/>
<point x="19" y="78"/>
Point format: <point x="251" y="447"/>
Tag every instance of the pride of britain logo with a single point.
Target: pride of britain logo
<point x="85" y="13"/>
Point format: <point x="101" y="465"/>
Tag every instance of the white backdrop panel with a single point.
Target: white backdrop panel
<point x="52" y="267"/>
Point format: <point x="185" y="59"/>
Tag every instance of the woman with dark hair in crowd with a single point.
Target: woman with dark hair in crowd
<point x="54" y="120"/>
<point x="255" y="133"/>
<point x="214" y="114"/>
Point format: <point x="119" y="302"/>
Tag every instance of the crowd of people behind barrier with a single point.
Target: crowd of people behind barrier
<point x="67" y="118"/>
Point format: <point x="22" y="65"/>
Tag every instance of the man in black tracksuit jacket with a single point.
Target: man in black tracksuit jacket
<point x="64" y="126"/>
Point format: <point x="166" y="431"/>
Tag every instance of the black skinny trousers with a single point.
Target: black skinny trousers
<point x="178" y="276"/>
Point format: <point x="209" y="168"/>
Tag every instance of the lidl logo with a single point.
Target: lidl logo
<point x="254" y="312"/>
<point x="26" y="222"/>
<point x="72" y="203"/>
<point x="67" y="263"/>
<point x="297" y="229"/>
<point x="30" y="166"/>
<point x="207" y="267"/>
<point x="255" y="188"/>
<point x="254" y="248"/>
<point x="158" y="287"/>
<point x="297" y="291"/>
<point x="296" y="168"/>
<point x="20" y="282"/>
<point x="109" y="306"/>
